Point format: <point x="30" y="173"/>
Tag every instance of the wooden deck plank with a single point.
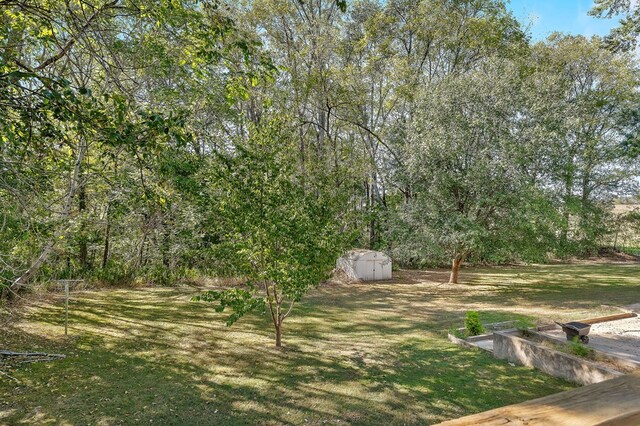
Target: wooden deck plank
<point x="612" y="402"/>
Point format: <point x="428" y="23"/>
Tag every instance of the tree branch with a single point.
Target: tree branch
<point x="72" y="40"/>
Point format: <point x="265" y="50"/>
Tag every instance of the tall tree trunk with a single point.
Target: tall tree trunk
<point x="23" y="279"/>
<point x="588" y="232"/>
<point x="107" y="236"/>
<point x="141" y="251"/>
<point x="373" y="199"/>
<point x="455" y="268"/>
<point x="165" y="240"/>
<point x="568" y="191"/>
<point x="82" y="206"/>
<point x="321" y="129"/>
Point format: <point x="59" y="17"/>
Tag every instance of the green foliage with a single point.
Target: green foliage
<point x="576" y="347"/>
<point x="472" y="324"/>
<point x="524" y="324"/>
<point x="625" y="35"/>
<point x="432" y="130"/>
<point x="457" y="333"/>
<point x="467" y="191"/>
<point x="240" y="301"/>
<point x="160" y="275"/>
<point x="114" y="274"/>
<point x="283" y="225"/>
<point x="64" y="87"/>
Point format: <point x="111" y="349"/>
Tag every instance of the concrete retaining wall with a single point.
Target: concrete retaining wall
<point x="531" y="354"/>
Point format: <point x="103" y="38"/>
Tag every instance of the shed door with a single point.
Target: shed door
<point x="372" y="263"/>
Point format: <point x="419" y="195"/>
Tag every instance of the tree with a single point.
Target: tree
<point x="625" y="36"/>
<point x="69" y="120"/>
<point x="466" y="187"/>
<point x="105" y="79"/>
<point x="579" y="98"/>
<point x="283" y="226"/>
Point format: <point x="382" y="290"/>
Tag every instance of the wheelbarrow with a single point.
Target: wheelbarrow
<point x="576" y="329"/>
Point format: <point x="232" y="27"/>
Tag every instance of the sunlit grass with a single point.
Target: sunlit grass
<point x="360" y="354"/>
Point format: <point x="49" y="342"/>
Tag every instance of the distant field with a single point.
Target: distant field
<point x="371" y="353"/>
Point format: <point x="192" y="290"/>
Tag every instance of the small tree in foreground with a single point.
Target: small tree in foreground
<point x="282" y="224"/>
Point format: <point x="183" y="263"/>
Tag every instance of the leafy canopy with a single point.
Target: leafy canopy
<point x="282" y="222"/>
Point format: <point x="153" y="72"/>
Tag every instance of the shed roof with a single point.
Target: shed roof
<point x="357" y="254"/>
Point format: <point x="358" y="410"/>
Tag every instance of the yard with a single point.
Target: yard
<point x="354" y="354"/>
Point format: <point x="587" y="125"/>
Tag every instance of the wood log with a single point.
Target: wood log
<point x="609" y="318"/>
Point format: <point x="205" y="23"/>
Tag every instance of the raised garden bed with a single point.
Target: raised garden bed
<point x="484" y="341"/>
<point x="540" y="348"/>
<point x="534" y="350"/>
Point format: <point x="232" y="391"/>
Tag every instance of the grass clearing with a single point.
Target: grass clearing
<point x="356" y="354"/>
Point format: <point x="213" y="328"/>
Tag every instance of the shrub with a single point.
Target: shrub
<point x="472" y="324"/>
<point x="576" y="347"/>
<point x="115" y="274"/>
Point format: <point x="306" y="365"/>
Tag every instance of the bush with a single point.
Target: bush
<point x="115" y="274"/>
<point x="524" y="324"/>
<point x="472" y="324"/>
<point x="576" y="347"/>
<point x="161" y="275"/>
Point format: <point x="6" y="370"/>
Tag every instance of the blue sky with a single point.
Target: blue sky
<point x="543" y="17"/>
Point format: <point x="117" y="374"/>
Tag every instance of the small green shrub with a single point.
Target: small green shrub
<point x="472" y="324"/>
<point x="524" y="324"/>
<point x="576" y="347"/>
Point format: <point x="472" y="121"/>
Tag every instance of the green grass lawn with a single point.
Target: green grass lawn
<point x="373" y="353"/>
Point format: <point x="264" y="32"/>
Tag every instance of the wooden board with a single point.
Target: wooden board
<point x="609" y="318"/>
<point x="612" y="402"/>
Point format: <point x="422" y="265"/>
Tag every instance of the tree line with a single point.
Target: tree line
<point x="158" y="140"/>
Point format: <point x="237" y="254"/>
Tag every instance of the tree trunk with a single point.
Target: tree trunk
<point x="23" y="279"/>
<point x="279" y="335"/>
<point x="564" y="235"/>
<point x="107" y="235"/>
<point x="141" y="251"/>
<point x="372" y="202"/>
<point x="82" y="206"/>
<point x="164" y="240"/>
<point x="455" y="269"/>
<point x="278" y="322"/>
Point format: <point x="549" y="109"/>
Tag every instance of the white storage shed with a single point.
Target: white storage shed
<point x="365" y="265"/>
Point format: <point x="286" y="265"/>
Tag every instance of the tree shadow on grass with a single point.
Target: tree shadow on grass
<point x="418" y="384"/>
<point x="131" y="364"/>
<point x="551" y="288"/>
<point x="362" y="354"/>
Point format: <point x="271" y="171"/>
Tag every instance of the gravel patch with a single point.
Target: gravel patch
<point x="620" y="337"/>
<point x="628" y="329"/>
